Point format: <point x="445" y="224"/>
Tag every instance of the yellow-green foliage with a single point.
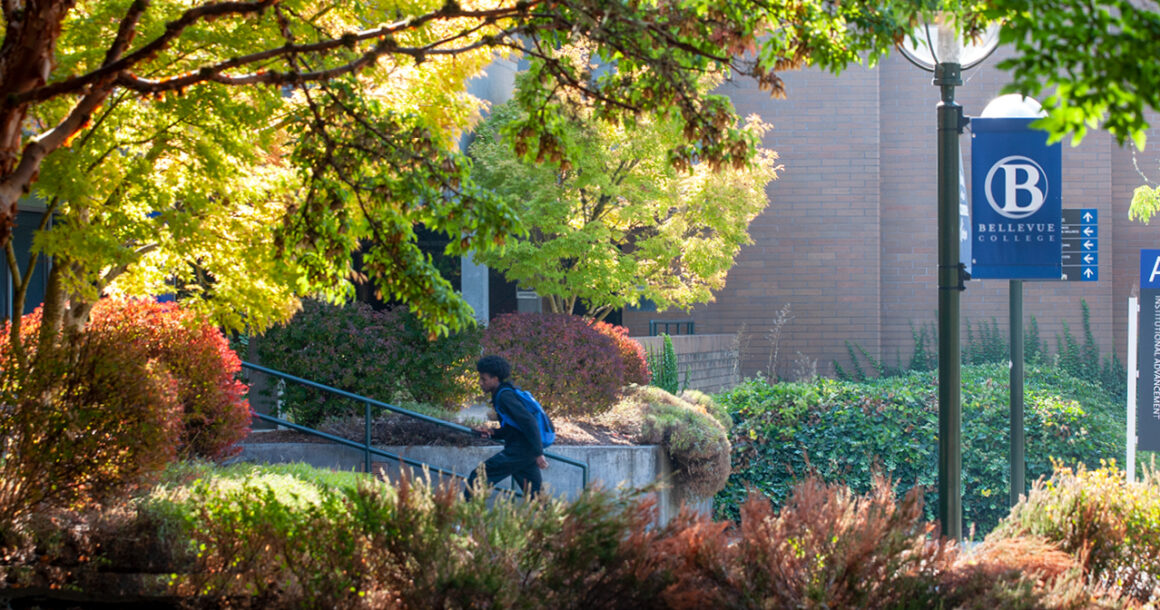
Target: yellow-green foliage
<point x="703" y="400"/>
<point x="1111" y="525"/>
<point x="294" y="536"/>
<point x="696" y="441"/>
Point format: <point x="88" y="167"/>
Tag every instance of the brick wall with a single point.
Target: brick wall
<point x="710" y="361"/>
<point x="848" y="241"/>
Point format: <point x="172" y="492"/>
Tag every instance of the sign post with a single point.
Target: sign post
<point x="1017" y="235"/>
<point x="1133" y="377"/>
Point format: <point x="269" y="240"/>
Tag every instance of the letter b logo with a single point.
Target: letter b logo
<point x="1016" y="186"/>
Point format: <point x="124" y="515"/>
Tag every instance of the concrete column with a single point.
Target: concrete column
<point x="495" y="86"/>
<point x="474" y="287"/>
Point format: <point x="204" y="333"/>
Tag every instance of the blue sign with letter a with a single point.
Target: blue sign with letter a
<point x="1015" y="201"/>
<point x="1149" y="269"/>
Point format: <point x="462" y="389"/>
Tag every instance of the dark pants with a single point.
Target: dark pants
<point x="523" y="470"/>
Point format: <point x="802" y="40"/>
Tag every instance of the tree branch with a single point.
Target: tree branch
<point x="115" y="272"/>
<point x="384" y="34"/>
<point x="126" y="31"/>
<point x="273" y="77"/>
<point x="13" y="264"/>
<point x="16" y="183"/>
<point x="173" y="30"/>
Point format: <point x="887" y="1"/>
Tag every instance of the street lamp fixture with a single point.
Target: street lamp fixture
<point x="938" y="47"/>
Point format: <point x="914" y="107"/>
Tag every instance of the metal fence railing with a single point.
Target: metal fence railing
<point x="655" y="326"/>
<point x="368" y="405"/>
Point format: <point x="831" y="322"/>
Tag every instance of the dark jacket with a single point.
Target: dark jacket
<point x="523" y="440"/>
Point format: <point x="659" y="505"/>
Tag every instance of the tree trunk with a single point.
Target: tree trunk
<point x="600" y="313"/>
<point x="64" y="315"/>
<point x="26" y="60"/>
<point x="52" y="314"/>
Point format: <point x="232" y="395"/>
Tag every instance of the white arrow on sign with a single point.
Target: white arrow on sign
<point x="1087" y="216"/>
<point x="1087" y="272"/>
<point x="1087" y="258"/>
<point x="1088" y="231"/>
<point x="1087" y="245"/>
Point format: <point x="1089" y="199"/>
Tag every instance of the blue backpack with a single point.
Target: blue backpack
<point x="547" y="432"/>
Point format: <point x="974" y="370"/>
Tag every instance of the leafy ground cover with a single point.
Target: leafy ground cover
<point x="845" y="431"/>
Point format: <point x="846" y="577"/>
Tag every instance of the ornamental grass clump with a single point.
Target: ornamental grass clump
<point x="696" y="443"/>
<point x="1110" y="525"/>
<point x="830" y="547"/>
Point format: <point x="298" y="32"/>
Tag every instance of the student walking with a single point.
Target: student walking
<point x="522" y="457"/>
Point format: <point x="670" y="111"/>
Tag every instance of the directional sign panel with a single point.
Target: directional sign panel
<point x="1080" y="252"/>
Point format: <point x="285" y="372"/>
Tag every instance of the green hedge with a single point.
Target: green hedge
<point x="844" y="429"/>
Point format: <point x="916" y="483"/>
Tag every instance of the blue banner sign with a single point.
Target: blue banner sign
<point x="1148" y="356"/>
<point x="1016" y="203"/>
<point x="1150" y="269"/>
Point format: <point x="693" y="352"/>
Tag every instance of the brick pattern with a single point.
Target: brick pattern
<point x="709" y="361"/>
<point x="849" y="238"/>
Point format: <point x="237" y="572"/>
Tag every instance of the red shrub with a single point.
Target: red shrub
<point x="84" y="423"/>
<point x="632" y="353"/>
<point x="216" y="414"/>
<point x="569" y="366"/>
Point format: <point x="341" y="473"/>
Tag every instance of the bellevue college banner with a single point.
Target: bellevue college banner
<point x="1015" y="201"/>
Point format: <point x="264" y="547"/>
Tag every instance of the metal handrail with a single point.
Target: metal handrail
<point x="368" y="403"/>
<point x="370" y="450"/>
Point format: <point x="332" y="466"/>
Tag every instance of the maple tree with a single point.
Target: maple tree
<point x="240" y="151"/>
<point x="620" y="222"/>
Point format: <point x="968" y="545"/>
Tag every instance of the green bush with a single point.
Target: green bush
<point x="385" y="355"/>
<point x="284" y="537"/>
<point x="1113" y="526"/>
<point x="696" y="442"/>
<point x="844" y="430"/>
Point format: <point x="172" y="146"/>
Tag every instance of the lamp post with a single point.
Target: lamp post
<point x="937" y="47"/>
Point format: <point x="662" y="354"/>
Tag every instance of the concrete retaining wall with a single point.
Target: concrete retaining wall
<point x="709" y="360"/>
<point x="609" y="466"/>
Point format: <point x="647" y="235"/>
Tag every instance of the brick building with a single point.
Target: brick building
<point x="849" y="238"/>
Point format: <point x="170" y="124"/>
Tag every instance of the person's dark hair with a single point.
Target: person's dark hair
<point x="495" y="366"/>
